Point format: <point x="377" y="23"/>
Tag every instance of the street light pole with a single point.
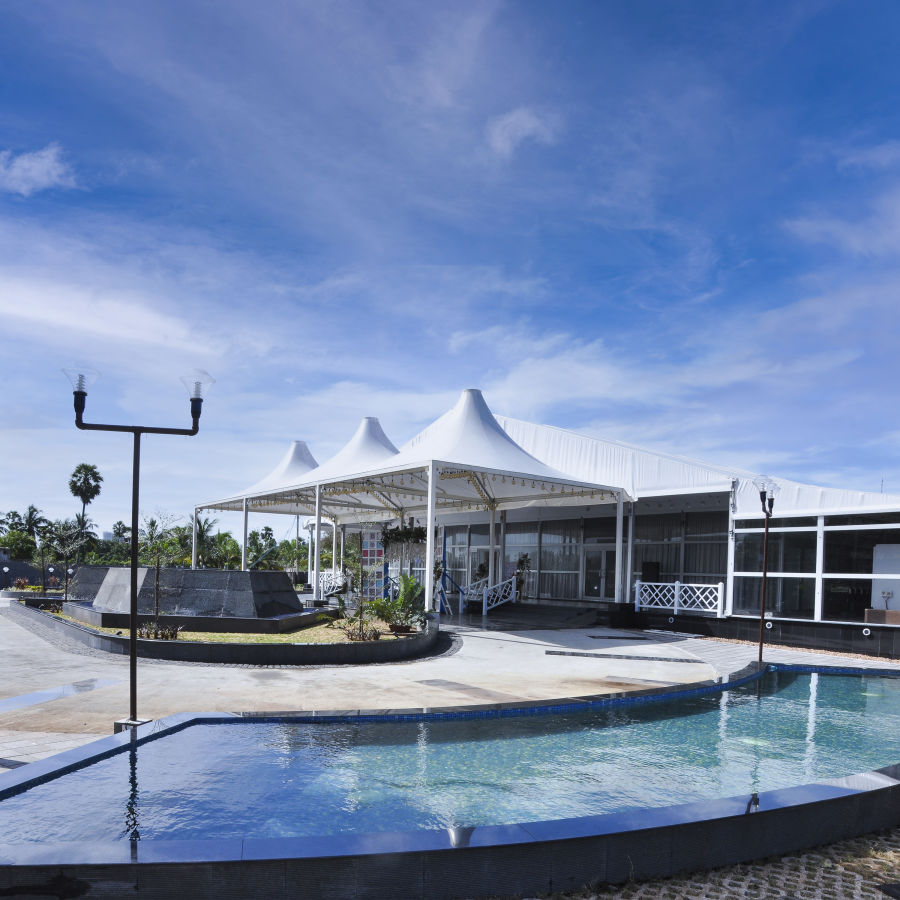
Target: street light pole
<point x="767" y="500"/>
<point x="195" y="384"/>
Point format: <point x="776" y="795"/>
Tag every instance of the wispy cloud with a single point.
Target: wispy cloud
<point x="507" y="132"/>
<point x="27" y="173"/>
<point x="885" y="155"/>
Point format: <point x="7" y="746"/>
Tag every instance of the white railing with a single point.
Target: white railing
<point x="680" y="598"/>
<point x="497" y="594"/>
<point x="330" y="583"/>
<point x="473" y="592"/>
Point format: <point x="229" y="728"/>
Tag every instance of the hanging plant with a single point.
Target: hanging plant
<point x="402" y="534"/>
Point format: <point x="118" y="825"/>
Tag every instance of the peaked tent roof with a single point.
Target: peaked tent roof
<point x="293" y="466"/>
<point x="478" y="465"/>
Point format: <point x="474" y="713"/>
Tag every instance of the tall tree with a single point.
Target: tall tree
<point x="85" y="485"/>
<point x="33" y="521"/>
<point x="205" y="548"/>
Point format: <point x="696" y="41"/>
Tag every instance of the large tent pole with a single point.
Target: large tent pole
<point x="429" y="540"/>
<point x="194" y="539"/>
<point x="343" y="529"/>
<point x="619" y="522"/>
<point x="629" y="553"/>
<point x="297" y="544"/>
<point x="334" y="555"/>
<point x="244" y="543"/>
<point x="318" y="533"/>
<point x="492" y="525"/>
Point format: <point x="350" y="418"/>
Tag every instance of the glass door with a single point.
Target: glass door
<point x="478" y="557"/>
<point x="600" y="573"/>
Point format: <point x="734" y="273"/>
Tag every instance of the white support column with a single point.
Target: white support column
<point x="501" y="555"/>
<point x="343" y="530"/>
<point x="820" y="567"/>
<point x="194" y="540"/>
<point x="629" y="553"/>
<point x="492" y="527"/>
<point x="318" y="534"/>
<point x="619" y="527"/>
<point x="429" y="539"/>
<point x="729" y="571"/>
<point x="244" y="542"/>
<point x="334" y="554"/>
<point x="297" y="545"/>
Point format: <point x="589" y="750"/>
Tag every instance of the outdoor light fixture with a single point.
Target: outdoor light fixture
<point x="6" y="573"/>
<point x="69" y="574"/>
<point x="767" y="489"/>
<point x="196" y="384"/>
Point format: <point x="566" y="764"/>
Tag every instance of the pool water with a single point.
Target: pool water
<point x="277" y="779"/>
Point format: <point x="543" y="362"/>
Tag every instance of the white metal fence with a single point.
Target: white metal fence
<point x="680" y="598"/>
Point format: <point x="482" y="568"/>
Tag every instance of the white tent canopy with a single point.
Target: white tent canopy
<point x="293" y="466"/>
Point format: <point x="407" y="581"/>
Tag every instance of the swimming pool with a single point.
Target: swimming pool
<point x="241" y="778"/>
<point x="283" y="788"/>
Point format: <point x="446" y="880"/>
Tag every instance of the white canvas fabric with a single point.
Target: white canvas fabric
<point x="293" y="466"/>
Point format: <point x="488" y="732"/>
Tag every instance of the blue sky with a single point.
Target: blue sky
<point x="675" y="224"/>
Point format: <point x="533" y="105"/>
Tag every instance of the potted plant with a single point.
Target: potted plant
<point x="523" y="570"/>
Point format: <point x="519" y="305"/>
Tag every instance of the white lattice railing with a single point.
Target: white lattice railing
<point x="330" y="582"/>
<point x="475" y="591"/>
<point x="497" y="594"/>
<point x="680" y="598"/>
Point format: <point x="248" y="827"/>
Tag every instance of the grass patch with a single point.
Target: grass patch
<point x="313" y="634"/>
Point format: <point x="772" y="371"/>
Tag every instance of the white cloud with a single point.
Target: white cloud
<point x="30" y="172"/>
<point x="505" y="133"/>
<point x="879" y="156"/>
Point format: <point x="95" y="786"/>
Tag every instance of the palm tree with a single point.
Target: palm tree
<point x="85" y="485"/>
<point x="33" y="521"/>
<point x="205" y="547"/>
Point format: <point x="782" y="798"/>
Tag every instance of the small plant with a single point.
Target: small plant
<point x="156" y="631"/>
<point x="21" y="584"/>
<point x="481" y="571"/>
<point x="405" y="611"/>
<point x="523" y="570"/>
<point x="358" y="625"/>
<point x="53" y="581"/>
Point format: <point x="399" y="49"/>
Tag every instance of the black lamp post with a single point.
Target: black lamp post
<point x="69" y="573"/>
<point x="767" y="499"/>
<point x="6" y="573"/>
<point x="81" y="379"/>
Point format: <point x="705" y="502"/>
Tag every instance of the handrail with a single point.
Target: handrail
<point x="497" y="594"/>
<point x="680" y="598"/>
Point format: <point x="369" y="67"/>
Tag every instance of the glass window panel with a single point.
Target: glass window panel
<point x="853" y="552"/>
<point x="889" y="518"/>
<point x="556" y="558"/>
<point x="788" y="552"/>
<point x="601" y="531"/>
<point x="704" y="563"/>
<point x="792" y="598"/>
<point x="559" y="586"/>
<point x="565" y="532"/>
<point x="846" y="600"/>
<point x="706" y="526"/>
<point x="456" y="535"/>
<point x="787" y="522"/>
<point x="653" y="529"/>
<point x="479" y="535"/>
<point x="666" y="556"/>
<point x="521" y="533"/>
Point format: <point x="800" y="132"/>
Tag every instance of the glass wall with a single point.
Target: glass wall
<point x="560" y="559"/>
<point x="860" y="566"/>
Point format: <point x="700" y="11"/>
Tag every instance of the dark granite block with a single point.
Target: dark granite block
<point x="229" y="881"/>
<point x="325" y="879"/>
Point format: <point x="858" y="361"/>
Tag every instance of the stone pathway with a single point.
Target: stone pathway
<point x="857" y="869"/>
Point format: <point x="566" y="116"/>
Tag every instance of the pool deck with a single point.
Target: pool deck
<point x="56" y="694"/>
